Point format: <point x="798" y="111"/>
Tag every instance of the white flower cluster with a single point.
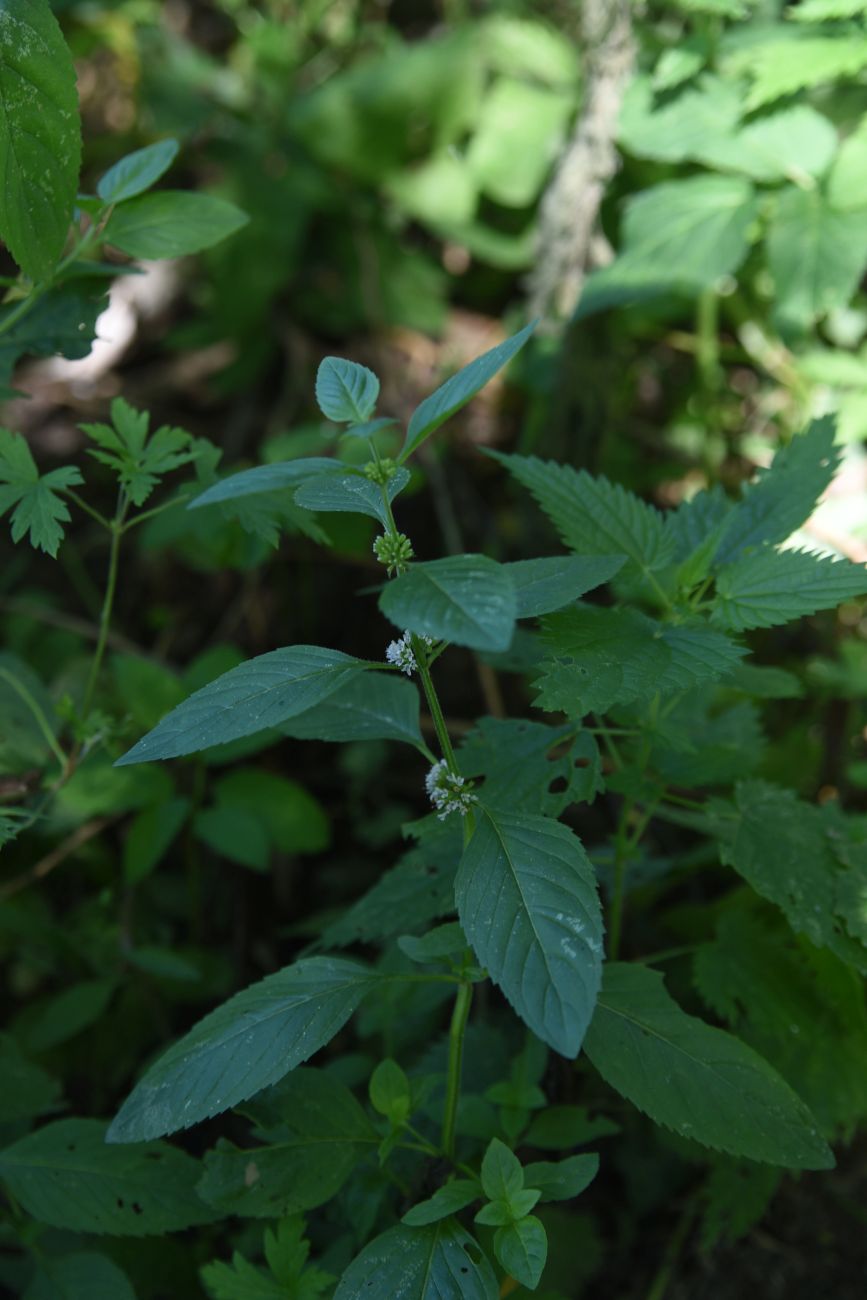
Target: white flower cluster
<point x="448" y="792"/>
<point x="400" y="653"/>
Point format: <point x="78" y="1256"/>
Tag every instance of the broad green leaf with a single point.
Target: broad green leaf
<point x="150" y="836"/>
<point x="521" y="1249"/>
<point x="137" y="172"/>
<point x="172" y="223"/>
<point x="315" y="1134"/>
<point x="816" y="255"/>
<point x="795" y="143"/>
<point x="389" y="1091"/>
<point x="460" y="389"/>
<point x="465" y="599"/>
<point x="783" y="496"/>
<point x="694" y="1079"/>
<point x="443" y="941"/>
<point x="446" y="1200"/>
<point x="847" y="181"/>
<point x="37" y="510"/>
<point x="548" y="584"/>
<point x="593" y="516"/>
<point x="40" y="144"/>
<point x="83" y="1275"/>
<point x="350" y="492"/>
<point x="518" y="131"/>
<point x="514" y="757"/>
<point x="378" y="706"/>
<point x="771" y="587"/>
<point x="65" y="1174"/>
<point x="290" y="816"/>
<point x="440" y="1262"/>
<point x="62" y="320"/>
<point x="562" y="1179"/>
<point x="25" y="1089"/>
<point x="502" y="1175"/>
<point x="264" y="478"/>
<point x="345" y="391"/>
<point x="261" y="693"/>
<point x="526" y="897"/>
<point x="247" y="1044"/>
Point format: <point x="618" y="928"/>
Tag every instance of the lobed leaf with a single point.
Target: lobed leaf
<point x="37" y="510"/>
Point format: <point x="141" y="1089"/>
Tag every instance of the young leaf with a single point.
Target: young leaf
<point x="38" y="510"/>
<point x="351" y="492"/>
<point x="460" y="389"/>
<point x="699" y="1081"/>
<point x="526" y="897"/>
<point x="440" y="1262"/>
<point x="66" y="1175"/>
<point x="261" y="693"/>
<point x="345" y="391"/>
<point x="545" y="585"/>
<point x="83" y="1275"/>
<point x="447" y="1200"/>
<point x="521" y="1249"/>
<point x="563" y="1179"/>
<point x="502" y="1175"/>
<point x="265" y="478"/>
<point x="390" y="1092"/>
<point x="466" y="599"/>
<point x="771" y="587"/>
<point x="172" y="223"/>
<point x="593" y="516"/>
<point x="443" y="941"/>
<point x="40" y="144"/>
<point x="247" y="1044"/>
<point x="137" y="172"/>
<point x="378" y="706"/>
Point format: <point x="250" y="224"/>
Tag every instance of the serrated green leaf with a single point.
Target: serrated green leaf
<point x="816" y="255"/>
<point x="527" y="901"/>
<point x="345" y="391"/>
<point x="247" y="1044"/>
<point x="172" y="223"/>
<point x="446" y="1200"/>
<point x="261" y="693"/>
<point x="593" y="516"/>
<point x="521" y="1249"/>
<point x="37" y="510"/>
<point x="696" y="1080"/>
<point x="40" y="144"/>
<point x="379" y="706"/>
<point x="240" y="1280"/>
<point x="26" y="1089"/>
<point x="440" y="1262"/>
<point x="316" y="1132"/>
<point x="466" y="599"/>
<point x="515" y="758"/>
<point x="62" y="320"/>
<point x="137" y="172"/>
<point x="781" y="66"/>
<point x="66" y="1175"/>
<point x="561" y="1180"/>
<point x="82" y="1275"/>
<point x="139" y="459"/>
<point x="772" y="587"/>
<point x="548" y="584"/>
<point x="263" y="479"/>
<point x="350" y="492"/>
<point x="460" y="389"/>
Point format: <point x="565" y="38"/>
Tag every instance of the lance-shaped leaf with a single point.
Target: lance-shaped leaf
<point x="560" y="1180"/>
<point x="457" y="391"/>
<point x="351" y="492"/>
<point x="172" y="223"/>
<point x="548" y="584"/>
<point x="527" y="900"/>
<point x="522" y="1249"/>
<point x="265" y="478"/>
<point x="137" y="172"/>
<point x="40" y="143"/>
<point x="345" y="391"/>
<point x="694" y="1079"/>
<point x="66" y="1175"/>
<point x="261" y="693"/>
<point x="466" y="599"/>
<point x="440" y="1262"/>
<point x="771" y="587"/>
<point x="378" y="706"/>
<point x="247" y="1044"/>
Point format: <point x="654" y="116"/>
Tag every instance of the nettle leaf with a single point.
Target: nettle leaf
<point x="247" y="1044"/>
<point x="772" y="587"/>
<point x="316" y="1134"/>
<point x="66" y="1175"/>
<point x="460" y="389"/>
<point x="515" y="758"/>
<point x="593" y="516"/>
<point x="25" y="1088"/>
<point x="691" y="525"/>
<point x="783" y="496"/>
<point x="265" y="478"/>
<point x="137" y="172"/>
<point x="527" y="900"/>
<point x="521" y="1249"/>
<point x="440" y="1262"/>
<point x="694" y="1079"/>
<point x="561" y="1180"/>
<point x="378" y="706"/>
<point x="258" y="694"/>
<point x="345" y="391"/>
<point x="447" y="1200"/>
<point x="816" y="255"/>
<point x="548" y="584"/>
<point x="62" y="320"/>
<point x="350" y="491"/>
<point x="783" y="65"/>
<point x="40" y="145"/>
<point x="37" y="510"/>
<point x="83" y="1275"/>
<point x="139" y="458"/>
<point x="466" y="599"/>
<point x="172" y="223"/>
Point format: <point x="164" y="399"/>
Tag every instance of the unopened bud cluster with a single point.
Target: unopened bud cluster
<point x="394" y="550"/>
<point x="400" y="653"/>
<point x="448" y="791"/>
<point x="380" y="471"/>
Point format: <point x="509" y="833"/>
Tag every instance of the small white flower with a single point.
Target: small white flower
<point x="400" y="652"/>
<point x="448" y="792"/>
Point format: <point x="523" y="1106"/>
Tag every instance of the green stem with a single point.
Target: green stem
<point x="707" y="340"/>
<point x="116" y="528"/>
<point x="41" y="721"/>
<point x="433" y="704"/>
<point x="457" y="1031"/>
<point x="151" y="514"/>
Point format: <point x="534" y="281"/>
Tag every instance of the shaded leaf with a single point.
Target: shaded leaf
<point x="345" y="391"/>
<point x="350" y="492"/>
<point x="466" y="599"/>
<point x="440" y="1262"/>
<point x="771" y="587"/>
<point x="172" y="223"/>
<point x="548" y="584"/>
<point x="37" y="510"/>
<point x="137" y="172"/>
<point x="379" y="706"/>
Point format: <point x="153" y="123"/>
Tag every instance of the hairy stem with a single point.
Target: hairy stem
<point x="457" y="1031"/>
